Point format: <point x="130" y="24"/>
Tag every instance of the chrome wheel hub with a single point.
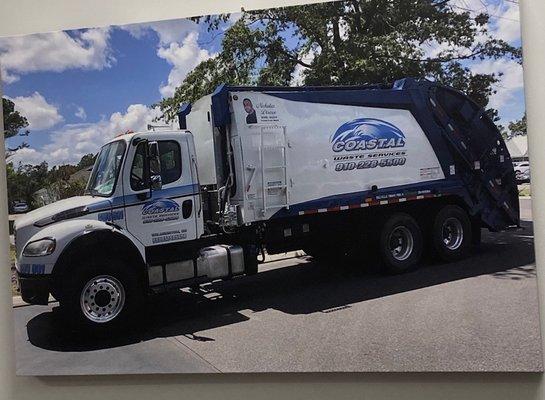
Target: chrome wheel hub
<point x="102" y="299"/>
<point x="401" y="243"/>
<point x="453" y="233"/>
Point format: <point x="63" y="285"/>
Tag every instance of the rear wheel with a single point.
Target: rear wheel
<point x="400" y="243"/>
<point x="452" y="233"/>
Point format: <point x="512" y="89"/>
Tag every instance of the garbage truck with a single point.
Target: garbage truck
<point x="340" y="172"/>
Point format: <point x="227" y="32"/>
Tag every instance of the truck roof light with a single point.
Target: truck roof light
<point x="127" y="132"/>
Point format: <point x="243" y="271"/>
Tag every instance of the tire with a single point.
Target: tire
<point x="451" y="233"/>
<point x="400" y="244"/>
<point x="476" y="233"/>
<point x="101" y="297"/>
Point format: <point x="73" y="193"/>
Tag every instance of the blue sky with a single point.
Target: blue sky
<point x="135" y="78"/>
<point x="80" y="88"/>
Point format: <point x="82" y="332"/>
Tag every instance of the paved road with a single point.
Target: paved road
<point x="476" y="315"/>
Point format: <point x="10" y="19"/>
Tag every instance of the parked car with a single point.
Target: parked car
<point x="20" y="207"/>
<point x="522" y="171"/>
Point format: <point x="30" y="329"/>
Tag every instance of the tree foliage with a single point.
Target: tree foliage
<point x="55" y="183"/>
<point x="86" y="161"/>
<point x="24" y="181"/>
<point x="13" y="120"/>
<point x="517" y="128"/>
<point x="348" y="42"/>
<point x="68" y="189"/>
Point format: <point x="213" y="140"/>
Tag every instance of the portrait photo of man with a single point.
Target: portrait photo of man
<point x="251" y="118"/>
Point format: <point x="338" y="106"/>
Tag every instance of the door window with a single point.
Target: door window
<point x="171" y="164"/>
<point x="171" y="161"/>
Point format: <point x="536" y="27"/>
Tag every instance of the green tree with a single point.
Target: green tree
<point x="68" y="189"/>
<point x="86" y="161"/>
<point x="348" y="42"/>
<point x="517" y="128"/>
<point x="13" y="120"/>
<point x="24" y="181"/>
<point x="61" y="173"/>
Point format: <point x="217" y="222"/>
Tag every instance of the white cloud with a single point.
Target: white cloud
<point x="233" y="18"/>
<point x="433" y="49"/>
<point x="80" y="113"/>
<point x="504" y="16"/>
<point x="168" y="31"/>
<point x="509" y="97"/>
<point x="6" y="77"/>
<point x="505" y="23"/>
<point x="57" y="51"/>
<point x="297" y="77"/>
<point x="136" y="118"/>
<point x="72" y="142"/>
<point x="183" y="57"/>
<point x="26" y="156"/>
<point x="178" y="45"/>
<point x="39" y="113"/>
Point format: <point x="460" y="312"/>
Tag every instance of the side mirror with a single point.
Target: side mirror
<point x="154" y="166"/>
<point x="156" y="182"/>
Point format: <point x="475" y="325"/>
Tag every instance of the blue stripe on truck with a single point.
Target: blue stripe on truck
<point x="132" y="199"/>
<point x="379" y="197"/>
<point x="36" y="269"/>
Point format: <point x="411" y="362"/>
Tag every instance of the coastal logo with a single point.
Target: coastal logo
<point x="367" y="134"/>
<point x="160" y="210"/>
<point x="160" y="206"/>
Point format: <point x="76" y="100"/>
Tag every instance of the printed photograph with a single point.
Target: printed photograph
<point x="331" y="187"/>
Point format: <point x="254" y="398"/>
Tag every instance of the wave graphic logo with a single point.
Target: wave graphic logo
<point x="367" y="134"/>
<point x="160" y="206"/>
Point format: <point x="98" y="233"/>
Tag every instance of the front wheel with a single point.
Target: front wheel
<point x="101" y="297"/>
<point x="400" y="243"/>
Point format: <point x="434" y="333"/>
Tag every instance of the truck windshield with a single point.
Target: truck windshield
<point x="106" y="169"/>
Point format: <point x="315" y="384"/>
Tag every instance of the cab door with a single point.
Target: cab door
<point x="165" y="215"/>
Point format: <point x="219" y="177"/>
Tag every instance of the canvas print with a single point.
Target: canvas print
<point x="330" y="187"/>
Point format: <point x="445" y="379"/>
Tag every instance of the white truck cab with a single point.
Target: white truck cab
<point x="117" y="189"/>
<point x="143" y="193"/>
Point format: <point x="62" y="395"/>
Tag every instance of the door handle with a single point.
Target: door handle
<point x="187" y="208"/>
<point x="198" y="184"/>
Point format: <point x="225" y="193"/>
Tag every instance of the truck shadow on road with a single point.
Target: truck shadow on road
<point x="301" y="287"/>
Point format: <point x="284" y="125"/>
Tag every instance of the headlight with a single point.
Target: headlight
<point x="42" y="247"/>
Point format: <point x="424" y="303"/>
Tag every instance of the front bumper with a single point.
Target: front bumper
<point x="34" y="288"/>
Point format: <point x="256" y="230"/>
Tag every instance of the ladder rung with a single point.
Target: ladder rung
<point x="275" y="167"/>
<point x="279" y="192"/>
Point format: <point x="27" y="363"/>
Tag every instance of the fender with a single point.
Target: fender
<point x="86" y="236"/>
<point x="108" y="241"/>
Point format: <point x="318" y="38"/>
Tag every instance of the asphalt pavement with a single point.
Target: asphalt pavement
<point x="479" y="314"/>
